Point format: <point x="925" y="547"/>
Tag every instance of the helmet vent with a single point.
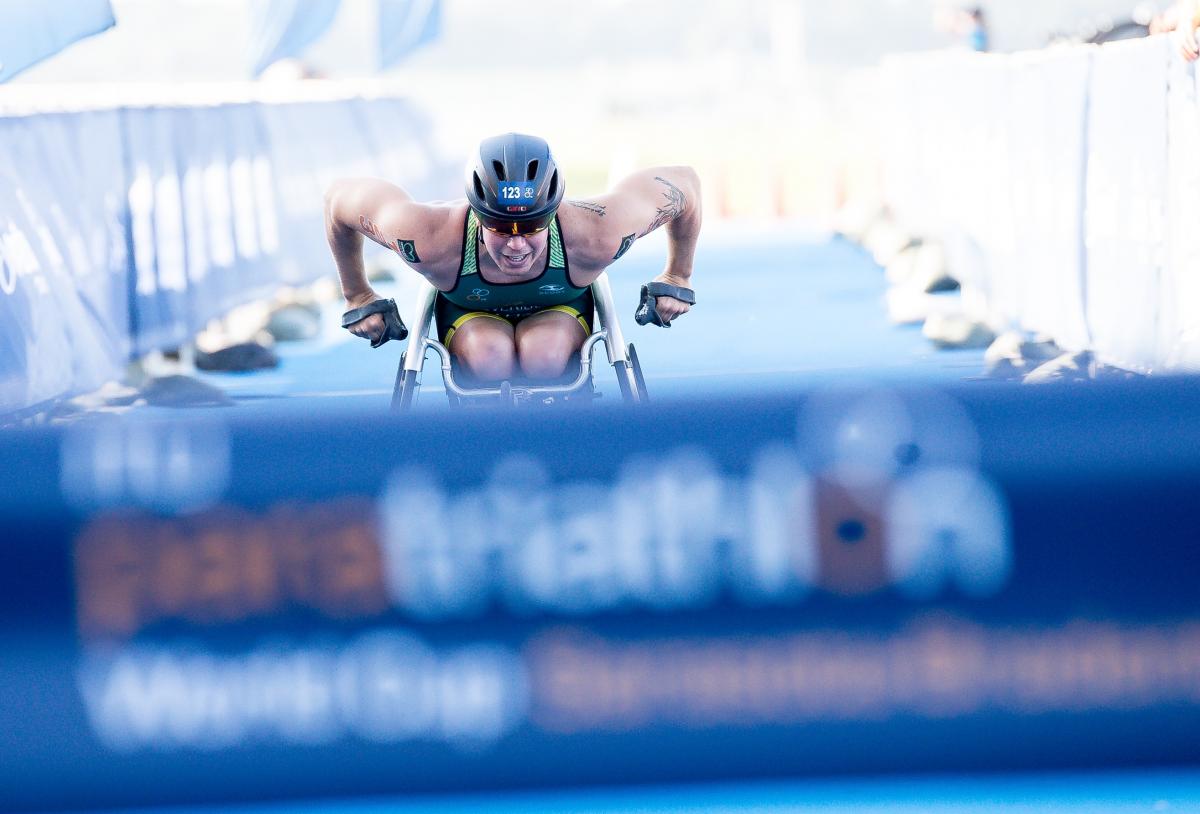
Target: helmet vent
<point x="499" y="168"/>
<point x="531" y="170"/>
<point x="553" y="186"/>
<point x="478" y="186"/>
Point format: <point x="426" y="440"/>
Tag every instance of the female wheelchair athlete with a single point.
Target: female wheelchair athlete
<point x="622" y="356"/>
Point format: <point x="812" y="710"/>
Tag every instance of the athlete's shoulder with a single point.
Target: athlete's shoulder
<point x="588" y="231"/>
<point x="432" y="233"/>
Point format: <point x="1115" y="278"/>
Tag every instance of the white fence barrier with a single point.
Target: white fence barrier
<point x="1065" y="185"/>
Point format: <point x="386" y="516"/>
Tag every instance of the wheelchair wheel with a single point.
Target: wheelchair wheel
<point x="629" y="377"/>
<point x="406" y="388"/>
<point x="643" y="394"/>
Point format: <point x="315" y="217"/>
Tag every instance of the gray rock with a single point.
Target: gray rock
<point x="238" y="358"/>
<point x="1102" y="372"/>
<point x="886" y="240"/>
<point x="295" y="323"/>
<point x="949" y="331"/>
<point x="183" y="391"/>
<point x="930" y="269"/>
<point x="1013" y="355"/>
<point x="909" y="305"/>
<point x="1068" y="367"/>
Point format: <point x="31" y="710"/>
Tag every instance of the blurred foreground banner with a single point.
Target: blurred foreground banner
<point x="31" y="31"/>
<point x="840" y="581"/>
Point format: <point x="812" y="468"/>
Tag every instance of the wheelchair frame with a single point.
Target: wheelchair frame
<point x="621" y="356"/>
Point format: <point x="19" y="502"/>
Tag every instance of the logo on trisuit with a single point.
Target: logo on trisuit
<point x="478" y="294"/>
<point x="551" y="288"/>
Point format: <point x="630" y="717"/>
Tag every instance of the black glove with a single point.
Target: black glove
<point x="647" y="312"/>
<point x="393" y="326"/>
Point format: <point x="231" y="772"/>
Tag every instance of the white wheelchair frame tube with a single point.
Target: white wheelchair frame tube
<point x="420" y="343"/>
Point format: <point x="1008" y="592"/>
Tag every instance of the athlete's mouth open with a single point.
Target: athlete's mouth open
<point x="516" y="259"/>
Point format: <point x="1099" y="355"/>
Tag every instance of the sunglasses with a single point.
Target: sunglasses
<point x="509" y="228"/>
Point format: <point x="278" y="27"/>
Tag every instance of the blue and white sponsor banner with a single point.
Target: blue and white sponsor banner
<point x="1126" y="218"/>
<point x="206" y="611"/>
<point x="402" y="138"/>
<point x="232" y="231"/>
<point x="127" y="230"/>
<point x="63" y="268"/>
<point x="32" y="30"/>
<point x="312" y="145"/>
<point x="160" y="301"/>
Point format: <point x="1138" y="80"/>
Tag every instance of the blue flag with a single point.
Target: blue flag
<point x="31" y="30"/>
<point x="284" y="28"/>
<point x="405" y="26"/>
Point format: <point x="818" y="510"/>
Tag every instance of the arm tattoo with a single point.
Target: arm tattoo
<point x="405" y="248"/>
<point x="371" y="230"/>
<point x="408" y="250"/>
<point x="673" y="208"/>
<point x="589" y="206"/>
<point x="626" y="242"/>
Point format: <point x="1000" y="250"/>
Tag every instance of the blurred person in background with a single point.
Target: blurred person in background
<point x="513" y="264"/>
<point x="976" y="30"/>
<point x="1183" y="17"/>
<point x="967" y="25"/>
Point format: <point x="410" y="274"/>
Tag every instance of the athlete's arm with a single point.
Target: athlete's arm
<point x="357" y="208"/>
<point x="635" y="207"/>
<point x="1189" y="22"/>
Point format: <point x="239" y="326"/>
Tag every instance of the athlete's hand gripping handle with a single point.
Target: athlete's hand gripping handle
<point x="393" y="325"/>
<point x="649" y="313"/>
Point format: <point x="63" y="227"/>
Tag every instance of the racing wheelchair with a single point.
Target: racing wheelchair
<point x="622" y="357"/>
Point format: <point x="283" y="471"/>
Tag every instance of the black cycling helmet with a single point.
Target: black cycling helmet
<point x="513" y="184"/>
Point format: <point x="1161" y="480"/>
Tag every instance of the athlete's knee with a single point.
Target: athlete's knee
<point x="487" y="357"/>
<point x="544" y="361"/>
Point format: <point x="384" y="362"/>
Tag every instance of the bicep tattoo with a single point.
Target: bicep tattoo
<point x="408" y="250"/>
<point x="594" y="208"/>
<point x="671" y="210"/>
<point x="405" y="248"/>
<point x="626" y="242"/>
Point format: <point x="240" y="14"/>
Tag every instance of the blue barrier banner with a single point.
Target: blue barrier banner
<point x="402" y="139"/>
<point x="31" y="31"/>
<point x="63" y="269"/>
<point x="849" y="581"/>
<point x="231" y="233"/>
<point x="284" y="28"/>
<point x="160" y="299"/>
<point x="126" y="231"/>
<point x="405" y="26"/>
<point x="333" y="145"/>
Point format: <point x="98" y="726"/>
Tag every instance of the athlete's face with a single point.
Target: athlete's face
<point x="515" y="254"/>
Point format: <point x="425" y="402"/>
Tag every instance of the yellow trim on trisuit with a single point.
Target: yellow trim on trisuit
<point x="458" y="323"/>
<point x="566" y="309"/>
